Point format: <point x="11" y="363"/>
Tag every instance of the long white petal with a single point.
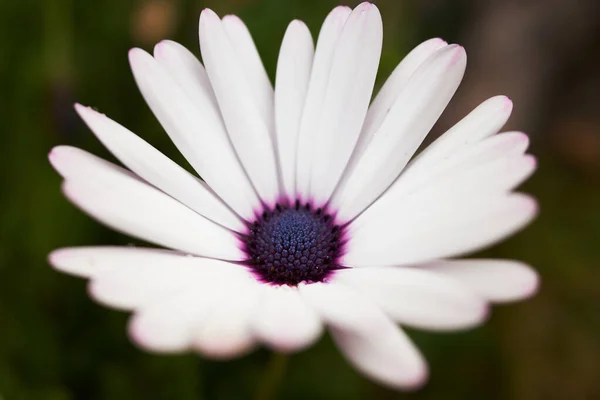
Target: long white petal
<point x="499" y="281"/>
<point x="129" y="278"/>
<point x="313" y="107"/>
<point x="172" y="294"/>
<point x="197" y="132"/>
<point x="346" y="100"/>
<point x="89" y="262"/>
<point x="157" y="169"/>
<point x="395" y="84"/>
<point x="226" y="331"/>
<point x="284" y="321"/>
<point x="366" y="336"/>
<point x="417" y="298"/>
<point x="423" y="228"/>
<point x="199" y="318"/>
<point x="120" y="200"/>
<point x="385" y="99"/>
<point x="493" y="164"/>
<point x="248" y="131"/>
<point x="169" y="325"/>
<point x="291" y="84"/>
<point x="485" y="120"/>
<point x="185" y="69"/>
<point x="413" y="114"/>
<point x="501" y="175"/>
<point x="249" y="59"/>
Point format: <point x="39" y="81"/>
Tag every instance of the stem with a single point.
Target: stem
<point x="267" y="389"/>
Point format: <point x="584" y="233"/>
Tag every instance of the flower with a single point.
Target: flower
<point x="312" y="210"/>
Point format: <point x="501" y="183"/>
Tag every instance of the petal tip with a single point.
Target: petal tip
<point x="365" y="5"/>
<point x="460" y="54"/>
<point x="530" y="206"/>
<point x="528" y="282"/>
<point x="85" y="111"/>
<point x="232" y="18"/>
<point x="136" y="334"/>
<point x="484" y="313"/>
<point x="453" y="56"/>
<point x="143" y="338"/>
<point x="208" y="14"/>
<point x="524" y="284"/>
<point x="368" y="10"/>
<point x="531" y="161"/>
<point x="133" y="51"/>
<point x="216" y="350"/>
<point x="79" y="107"/>
<point x="52" y="155"/>
<point x="531" y="286"/>
<point x="507" y="104"/>
<point x="416" y="381"/>
<point x="58" y="155"/>
<point x="160" y="48"/>
<point x="55" y="256"/>
<point x="62" y="260"/>
<point x="339" y="13"/>
<point x="136" y="55"/>
<point x="296" y="23"/>
<point x="209" y="21"/>
<point x="341" y="8"/>
<point x="518" y="136"/>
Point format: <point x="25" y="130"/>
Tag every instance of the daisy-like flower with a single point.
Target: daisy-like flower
<point x="312" y="210"/>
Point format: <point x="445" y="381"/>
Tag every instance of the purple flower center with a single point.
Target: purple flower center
<point x="287" y="245"/>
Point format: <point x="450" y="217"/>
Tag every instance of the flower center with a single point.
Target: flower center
<point x="292" y="244"/>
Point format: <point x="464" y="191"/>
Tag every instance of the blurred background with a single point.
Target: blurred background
<point x="56" y="344"/>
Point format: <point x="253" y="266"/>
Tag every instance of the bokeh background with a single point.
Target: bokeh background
<point x="56" y="344"/>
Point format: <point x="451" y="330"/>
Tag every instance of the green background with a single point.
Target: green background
<point x="56" y="344"/>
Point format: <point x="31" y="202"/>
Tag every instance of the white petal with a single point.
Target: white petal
<point x="284" y="321"/>
<point x="291" y="84"/>
<point x="417" y="298"/>
<point x="346" y="100"/>
<point x="157" y="169"/>
<point x="134" y="286"/>
<point x="383" y="102"/>
<point x="129" y="277"/>
<point x="185" y="69"/>
<point x="118" y="199"/>
<point x="484" y="121"/>
<point x="247" y="129"/>
<point x="197" y="132"/>
<point x="249" y="59"/>
<point x="168" y="326"/>
<point x="499" y="281"/>
<point x="424" y="228"/>
<point x="226" y="332"/>
<point x="175" y="322"/>
<point x="495" y="163"/>
<point x="415" y="111"/>
<point x="319" y="78"/>
<point x="503" y="174"/>
<point x="367" y="337"/>
<point x="88" y="262"/>
<point x="171" y="293"/>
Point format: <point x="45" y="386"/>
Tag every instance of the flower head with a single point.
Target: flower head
<point x="313" y="209"/>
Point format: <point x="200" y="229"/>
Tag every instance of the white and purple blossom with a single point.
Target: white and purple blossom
<point x="313" y="210"/>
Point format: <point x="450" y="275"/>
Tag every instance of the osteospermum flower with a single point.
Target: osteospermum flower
<point x="312" y="210"/>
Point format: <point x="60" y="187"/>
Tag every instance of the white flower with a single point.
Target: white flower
<point x="312" y="211"/>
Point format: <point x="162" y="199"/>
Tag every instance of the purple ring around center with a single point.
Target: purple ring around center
<point x="293" y="242"/>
